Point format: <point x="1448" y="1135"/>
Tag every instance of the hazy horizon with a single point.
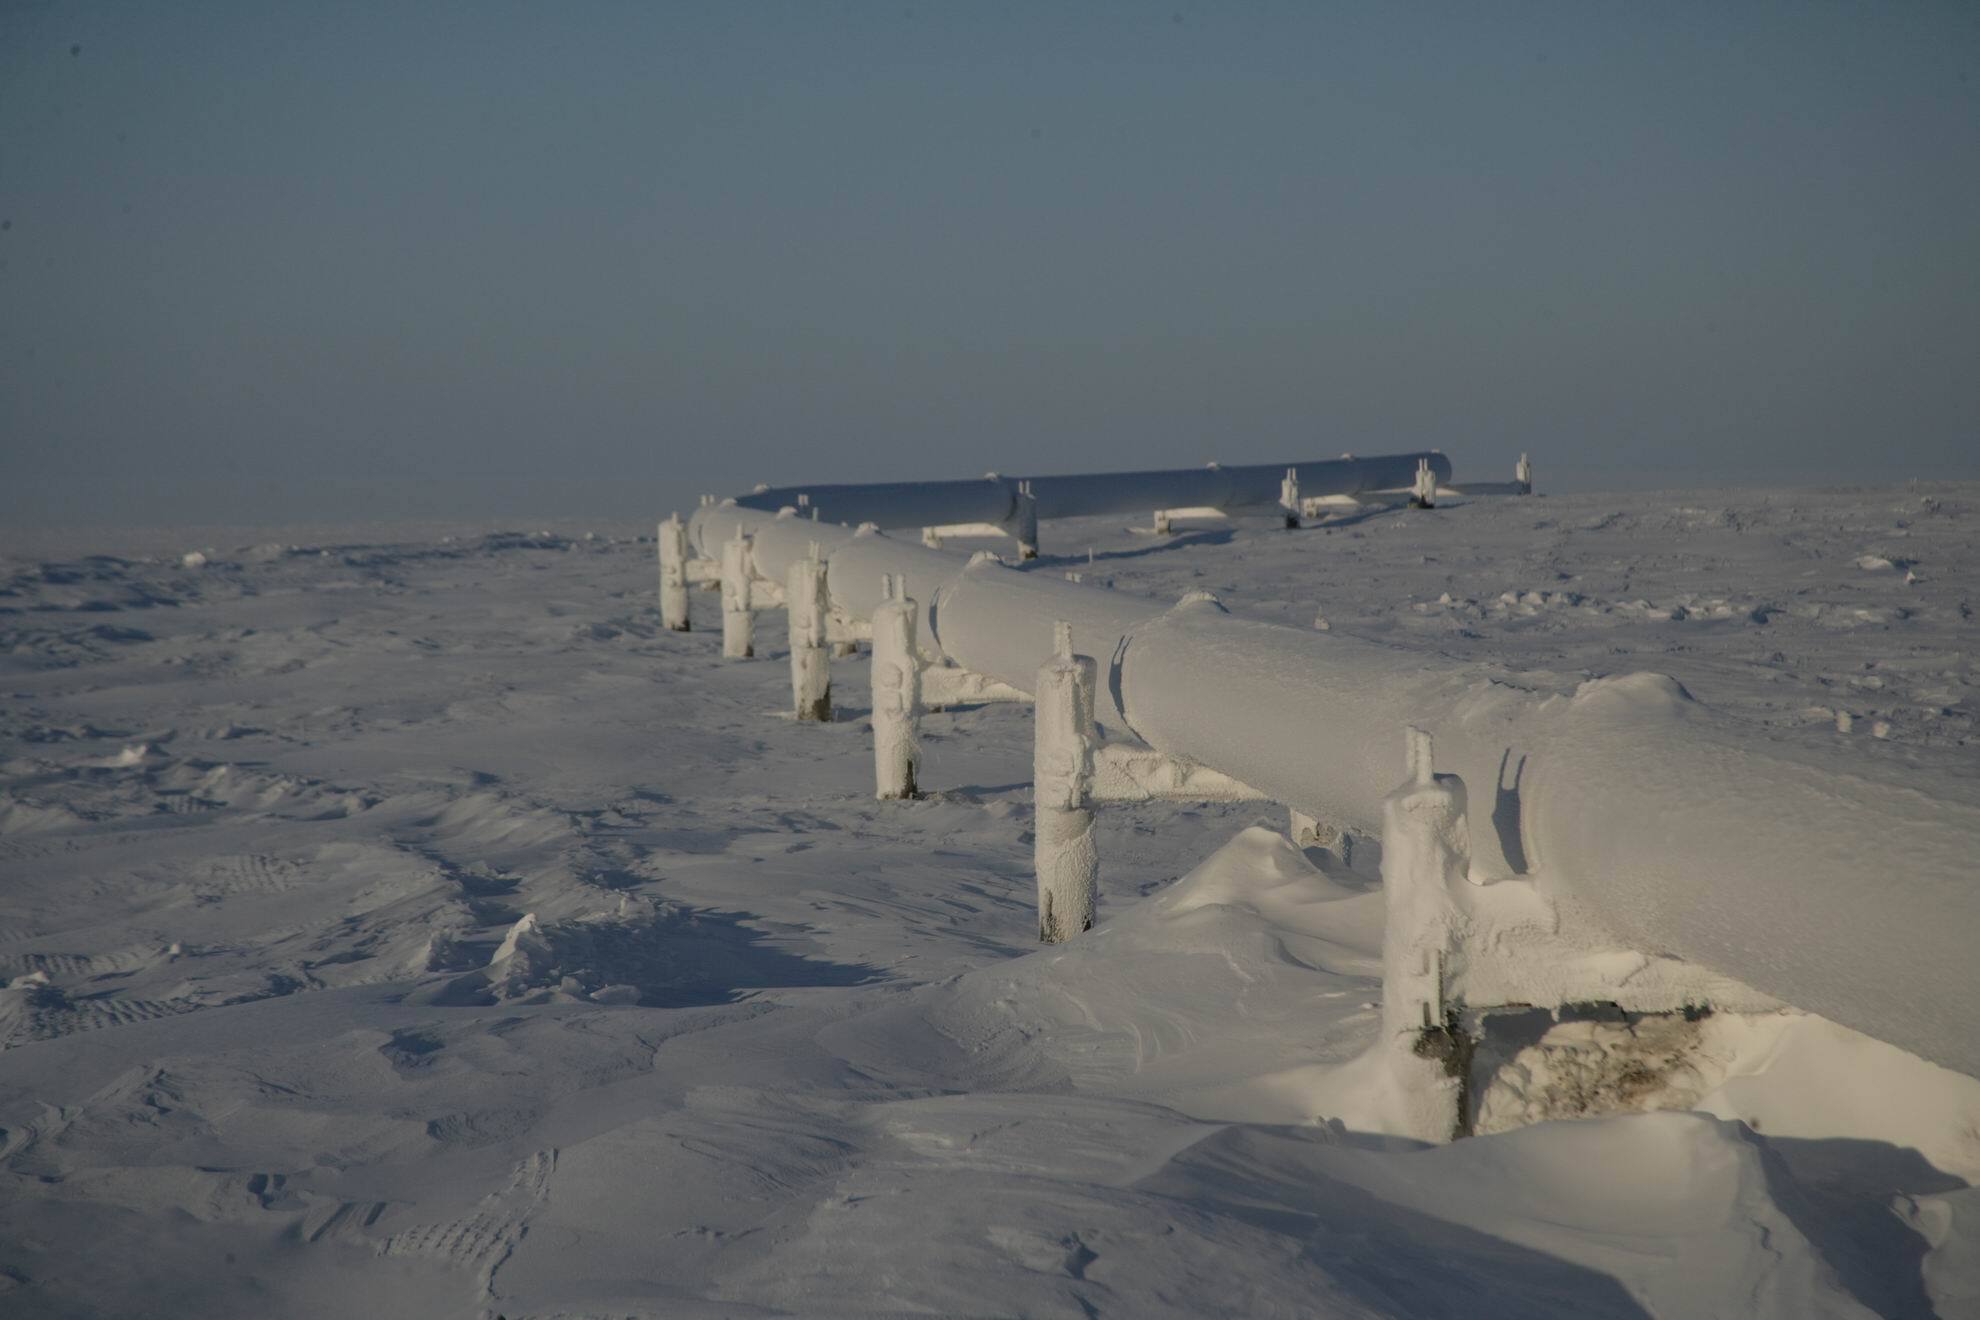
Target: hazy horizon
<point x="265" y="264"/>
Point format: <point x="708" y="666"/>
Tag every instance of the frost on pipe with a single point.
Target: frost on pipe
<point x="895" y="503"/>
<point x="1843" y="888"/>
<point x="998" y="620"/>
<point x="994" y="499"/>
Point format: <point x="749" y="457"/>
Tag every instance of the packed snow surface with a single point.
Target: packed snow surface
<point x="403" y="922"/>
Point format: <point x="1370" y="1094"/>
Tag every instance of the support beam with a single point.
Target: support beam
<point x="673" y="546"/>
<point x="807" y="607"/>
<point x="896" y="694"/>
<point x="1425" y="849"/>
<point x="1024" y="522"/>
<point x="1063" y="851"/>
<point x="738" y="627"/>
<point x="1423" y="494"/>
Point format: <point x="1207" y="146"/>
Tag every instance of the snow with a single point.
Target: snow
<point x="410" y="923"/>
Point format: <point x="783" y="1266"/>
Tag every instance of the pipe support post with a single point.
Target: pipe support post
<point x="896" y="697"/>
<point x="1064" y="854"/>
<point x="673" y="548"/>
<point x="738" y="628"/>
<point x="807" y="606"/>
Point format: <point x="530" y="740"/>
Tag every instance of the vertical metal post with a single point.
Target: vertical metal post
<point x="673" y="573"/>
<point x="1064" y="854"/>
<point x="807" y="606"/>
<point x="1423" y="495"/>
<point x="738" y="627"/>
<point x="1026" y="519"/>
<point x="896" y="694"/>
<point x="1426" y="848"/>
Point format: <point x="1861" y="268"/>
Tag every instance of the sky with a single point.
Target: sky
<point x="268" y="261"/>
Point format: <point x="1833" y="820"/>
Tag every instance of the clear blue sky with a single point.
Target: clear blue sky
<point x="269" y="261"/>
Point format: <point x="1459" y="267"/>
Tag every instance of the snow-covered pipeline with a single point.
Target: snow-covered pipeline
<point x="994" y="499"/>
<point x="1839" y="885"/>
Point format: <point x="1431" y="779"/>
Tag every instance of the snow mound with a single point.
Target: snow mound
<point x="642" y="953"/>
<point x="1682" y="1211"/>
<point x="1808" y="1079"/>
<point x="1261" y="871"/>
<point x="1246" y="991"/>
<point x="1198" y="996"/>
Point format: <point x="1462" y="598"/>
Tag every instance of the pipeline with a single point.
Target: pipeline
<point x="995" y="499"/>
<point x="1841" y="886"/>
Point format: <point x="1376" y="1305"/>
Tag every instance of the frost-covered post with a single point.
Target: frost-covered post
<point x="1523" y="475"/>
<point x="808" y="606"/>
<point x="1026" y="520"/>
<point x="673" y="573"/>
<point x="738" y="628"/>
<point x="896" y="693"/>
<point x="1426" y="849"/>
<point x="1423" y="495"/>
<point x="1289" y="497"/>
<point x="1063" y="850"/>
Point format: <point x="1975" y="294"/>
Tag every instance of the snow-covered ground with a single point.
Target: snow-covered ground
<point x="401" y="922"/>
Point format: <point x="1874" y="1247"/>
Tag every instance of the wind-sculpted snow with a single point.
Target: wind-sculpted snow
<point x="411" y="925"/>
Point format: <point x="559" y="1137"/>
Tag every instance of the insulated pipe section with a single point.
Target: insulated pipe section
<point x="1849" y="889"/>
<point x="895" y="503"/>
<point x="997" y="620"/>
<point x="1255" y="486"/>
<point x="1844" y="888"/>
<point x="1003" y="624"/>
<point x="994" y="499"/>
<point x="1232" y="693"/>
<point x="1001" y="621"/>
